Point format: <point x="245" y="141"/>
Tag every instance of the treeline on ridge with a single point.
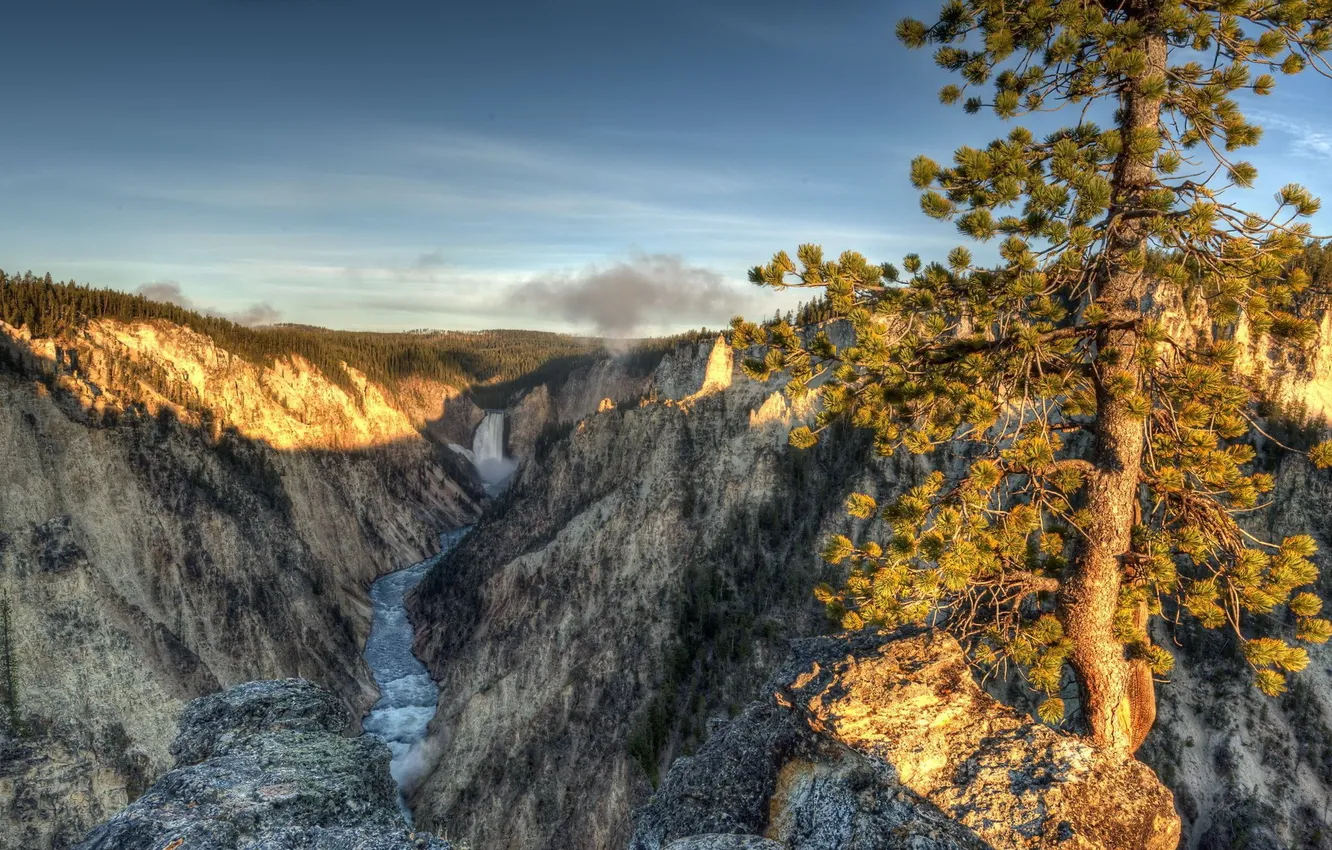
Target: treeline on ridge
<point x="461" y="358"/>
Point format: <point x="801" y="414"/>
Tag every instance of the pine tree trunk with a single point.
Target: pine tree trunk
<point x="1118" y="699"/>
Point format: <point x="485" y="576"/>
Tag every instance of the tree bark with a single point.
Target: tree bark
<point x="1117" y="695"/>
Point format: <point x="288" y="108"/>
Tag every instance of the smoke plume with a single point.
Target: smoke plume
<point x="261" y="313"/>
<point x="647" y="290"/>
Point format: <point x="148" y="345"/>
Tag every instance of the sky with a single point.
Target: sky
<point x="582" y="166"/>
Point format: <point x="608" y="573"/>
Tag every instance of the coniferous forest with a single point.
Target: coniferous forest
<point x="48" y="308"/>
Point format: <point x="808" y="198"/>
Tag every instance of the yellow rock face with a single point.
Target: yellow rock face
<point x="288" y="405"/>
<point x="1018" y="784"/>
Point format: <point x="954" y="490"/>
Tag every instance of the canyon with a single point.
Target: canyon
<point x="155" y="550"/>
<point x="647" y="568"/>
<point x="201" y="521"/>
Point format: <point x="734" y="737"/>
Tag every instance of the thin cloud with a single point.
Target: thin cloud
<point x="430" y="260"/>
<point x="671" y="205"/>
<point x="427" y="308"/>
<point x="260" y="313"/>
<point x="647" y="290"/>
<point x="1314" y="144"/>
<point x="1306" y="140"/>
<point x="563" y="166"/>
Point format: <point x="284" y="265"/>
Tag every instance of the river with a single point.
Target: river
<point x="407" y="694"/>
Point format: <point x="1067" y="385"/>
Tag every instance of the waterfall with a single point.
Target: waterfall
<point x="488" y="441"/>
<point x="488" y="451"/>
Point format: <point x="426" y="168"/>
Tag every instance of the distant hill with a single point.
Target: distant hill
<point x="464" y="359"/>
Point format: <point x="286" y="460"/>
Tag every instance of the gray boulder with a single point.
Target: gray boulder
<point x="885" y="741"/>
<point x="723" y="841"/>
<point x="725" y="787"/>
<point x="212" y="725"/>
<point x="263" y="766"/>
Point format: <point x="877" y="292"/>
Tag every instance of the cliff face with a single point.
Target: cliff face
<point x="541" y="410"/>
<point x="646" y="570"/>
<point x="174" y="520"/>
<point x="288" y="404"/>
<point x="639" y="576"/>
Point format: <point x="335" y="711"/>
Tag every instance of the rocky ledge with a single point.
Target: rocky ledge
<point x="265" y="765"/>
<point x="874" y="741"/>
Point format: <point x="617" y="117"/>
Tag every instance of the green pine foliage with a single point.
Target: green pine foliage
<point x="1094" y="436"/>
<point x="462" y="359"/>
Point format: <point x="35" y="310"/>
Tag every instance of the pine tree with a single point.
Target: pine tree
<point x="1107" y="454"/>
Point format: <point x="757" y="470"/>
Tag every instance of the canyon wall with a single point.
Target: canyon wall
<point x="640" y="575"/>
<point x="174" y="520"/>
<point x="644" y="574"/>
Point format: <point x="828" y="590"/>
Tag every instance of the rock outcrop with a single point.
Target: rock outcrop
<point x="718" y="371"/>
<point x="263" y="765"/>
<point x="887" y="742"/>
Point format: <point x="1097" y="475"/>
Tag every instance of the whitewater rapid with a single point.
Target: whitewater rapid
<point x="407" y="694"/>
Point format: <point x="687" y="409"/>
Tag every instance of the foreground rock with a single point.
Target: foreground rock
<point x="889" y="743"/>
<point x="263" y="765"/>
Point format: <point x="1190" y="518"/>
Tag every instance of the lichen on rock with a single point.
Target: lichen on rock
<point x="723" y="841"/>
<point x="263" y="765"/>
<point x="886" y="741"/>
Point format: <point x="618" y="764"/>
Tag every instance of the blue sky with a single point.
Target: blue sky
<point x="388" y="165"/>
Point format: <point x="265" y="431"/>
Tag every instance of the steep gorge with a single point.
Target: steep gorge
<point x="641" y="574"/>
<point x="644" y="574"/>
<point x="173" y="520"/>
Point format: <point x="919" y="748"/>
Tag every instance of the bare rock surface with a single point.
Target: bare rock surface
<point x="723" y="841"/>
<point x="913" y="703"/>
<point x="726" y="786"/>
<point x="263" y="765"/>
<point x="212" y="725"/>
<point x="887" y="742"/>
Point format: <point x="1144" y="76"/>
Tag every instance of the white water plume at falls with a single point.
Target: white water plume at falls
<point x="407" y="694"/>
<point x="488" y="451"/>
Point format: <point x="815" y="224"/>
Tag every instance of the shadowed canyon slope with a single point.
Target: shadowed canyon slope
<point x="645" y="571"/>
<point x="174" y="520"/>
<point x="640" y="574"/>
